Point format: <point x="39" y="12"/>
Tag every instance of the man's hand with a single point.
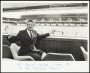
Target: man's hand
<point x="52" y="32"/>
<point x="8" y="30"/>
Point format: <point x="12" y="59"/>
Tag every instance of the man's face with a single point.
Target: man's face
<point x="30" y="24"/>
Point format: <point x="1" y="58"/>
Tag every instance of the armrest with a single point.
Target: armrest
<point x="21" y="58"/>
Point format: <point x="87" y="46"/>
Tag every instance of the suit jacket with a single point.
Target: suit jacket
<point x="27" y="42"/>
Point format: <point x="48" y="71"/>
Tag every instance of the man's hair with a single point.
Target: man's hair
<point x="29" y="20"/>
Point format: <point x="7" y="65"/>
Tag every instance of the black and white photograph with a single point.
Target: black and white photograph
<point x="45" y="36"/>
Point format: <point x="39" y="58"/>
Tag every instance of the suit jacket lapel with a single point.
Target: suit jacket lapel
<point x="27" y="35"/>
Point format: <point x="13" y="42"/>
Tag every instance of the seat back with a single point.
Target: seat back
<point x="14" y="49"/>
<point x="6" y="52"/>
<point x="84" y="52"/>
<point x="58" y="57"/>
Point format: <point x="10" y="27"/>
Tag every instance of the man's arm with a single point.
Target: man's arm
<point x="41" y="36"/>
<point x="45" y="35"/>
<point x="13" y="39"/>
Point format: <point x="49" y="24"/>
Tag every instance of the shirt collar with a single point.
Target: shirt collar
<point x="29" y="30"/>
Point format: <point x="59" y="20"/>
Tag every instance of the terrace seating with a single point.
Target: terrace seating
<point x="55" y="45"/>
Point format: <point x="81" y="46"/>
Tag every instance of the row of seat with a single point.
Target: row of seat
<point x="13" y="51"/>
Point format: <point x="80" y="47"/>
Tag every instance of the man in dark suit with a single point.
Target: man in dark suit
<point x="28" y="38"/>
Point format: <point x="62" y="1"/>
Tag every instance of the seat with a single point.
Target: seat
<point x="6" y="53"/>
<point x="84" y="53"/>
<point x="58" y="57"/>
<point x="14" y="50"/>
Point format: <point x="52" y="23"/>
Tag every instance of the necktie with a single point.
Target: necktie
<point x="31" y="34"/>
